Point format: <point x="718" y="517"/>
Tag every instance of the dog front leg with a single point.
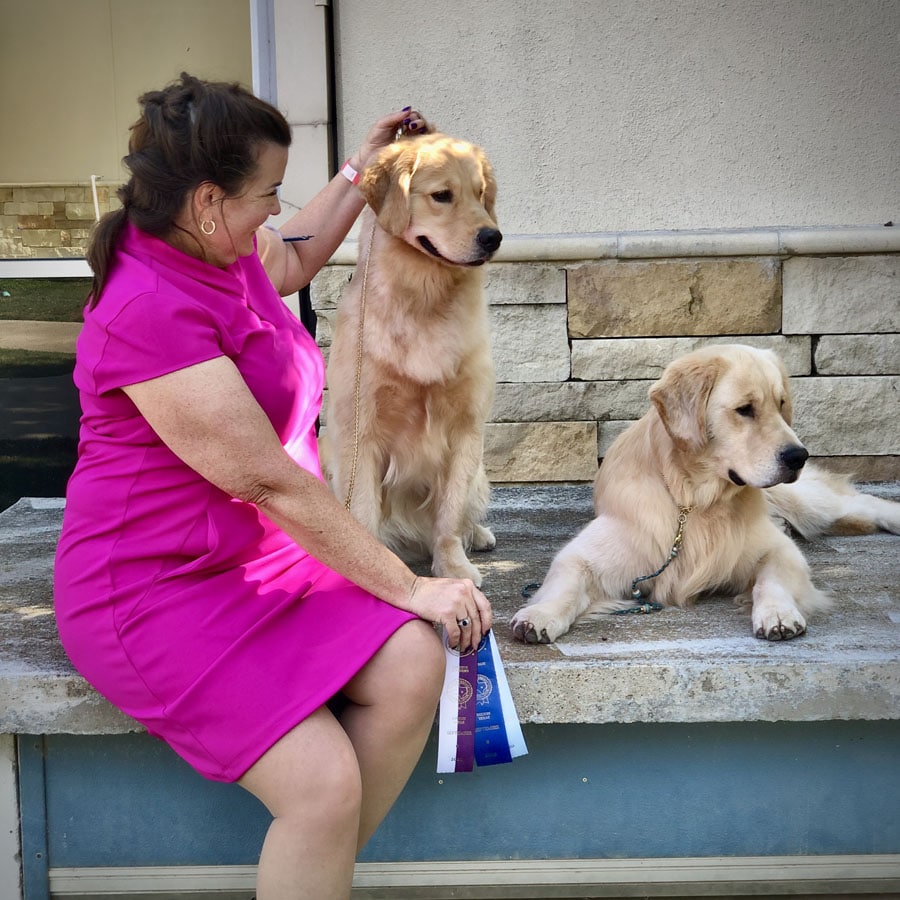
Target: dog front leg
<point x="561" y="599"/>
<point x="783" y="593"/>
<point x="448" y="551"/>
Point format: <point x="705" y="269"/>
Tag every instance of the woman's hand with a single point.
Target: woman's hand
<point x="384" y="132"/>
<point x="457" y="605"/>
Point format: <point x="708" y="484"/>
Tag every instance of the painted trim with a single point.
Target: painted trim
<point x="44" y="268"/>
<point x="262" y="49"/>
<point x="585" y="247"/>
<point x="835" y="241"/>
<point x="518" y="878"/>
<point x="10" y="847"/>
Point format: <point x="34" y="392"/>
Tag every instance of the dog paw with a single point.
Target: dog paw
<point x="461" y="568"/>
<point x="531" y="627"/>
<point x="483" y="539"/>
<point x="449" y="560"/>
<point x="772" y="623"/>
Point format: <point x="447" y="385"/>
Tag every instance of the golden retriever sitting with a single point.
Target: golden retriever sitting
<point x="680" y="509"/>
<point x="410" y="376"/>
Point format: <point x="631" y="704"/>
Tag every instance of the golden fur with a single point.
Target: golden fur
<point x="427" y="381"/>
<point x="718" y="433"/>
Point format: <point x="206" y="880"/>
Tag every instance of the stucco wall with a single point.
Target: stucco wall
<point x="633" y="115"/>
<point x="645" y="151"/>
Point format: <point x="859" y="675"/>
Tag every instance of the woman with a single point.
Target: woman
<point x="207" y="582"/>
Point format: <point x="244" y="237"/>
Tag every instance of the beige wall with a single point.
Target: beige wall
<point x="71" y="72"/>
<point x="635" y="115"/>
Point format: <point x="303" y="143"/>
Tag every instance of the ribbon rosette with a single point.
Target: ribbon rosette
<point x="478" y="722"/>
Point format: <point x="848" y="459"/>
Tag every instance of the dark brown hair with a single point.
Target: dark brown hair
<point x="190" y="132"/>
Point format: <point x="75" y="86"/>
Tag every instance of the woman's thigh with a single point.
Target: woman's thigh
<point x="409" y="668"/>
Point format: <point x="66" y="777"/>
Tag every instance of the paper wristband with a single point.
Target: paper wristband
<point x="350" y="173"/>
<point x="477" y="721"/>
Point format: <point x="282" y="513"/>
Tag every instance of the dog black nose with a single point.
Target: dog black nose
<point x="794" y="457"/>
<point x="489" y="239"/>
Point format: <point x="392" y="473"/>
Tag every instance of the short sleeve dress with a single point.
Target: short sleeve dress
<point x="187" y="608"/>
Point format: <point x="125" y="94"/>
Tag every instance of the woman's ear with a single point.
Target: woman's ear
<point x="206" y="196"/>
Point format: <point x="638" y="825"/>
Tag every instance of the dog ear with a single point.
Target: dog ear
<point x="490" y="185"/>
<point x="680" y="399"/>
<point x="385" y="185"/>
<point x="787" y="403"/>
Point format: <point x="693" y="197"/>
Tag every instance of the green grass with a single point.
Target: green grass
<point x="43" y="299"/>
<point x="35" y="468"/>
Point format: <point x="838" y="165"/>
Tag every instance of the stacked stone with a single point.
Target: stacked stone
<point x="577" y="344"/>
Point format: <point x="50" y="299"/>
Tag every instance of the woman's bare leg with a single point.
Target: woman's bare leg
<point x="329" y="784"/>
<point x="310" y="782"/>
<point x="393" y="703"/>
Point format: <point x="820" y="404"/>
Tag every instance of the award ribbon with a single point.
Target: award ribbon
<point x="491" y="742"/>
<point x="477" y="722"/>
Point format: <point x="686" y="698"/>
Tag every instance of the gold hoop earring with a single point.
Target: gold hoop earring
<point x="211" y="229"/>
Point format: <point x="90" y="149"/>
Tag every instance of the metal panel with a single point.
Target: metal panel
<point x="33" y="818"/>
<point x="128" y="800"/>
<point x="592" y="791"/>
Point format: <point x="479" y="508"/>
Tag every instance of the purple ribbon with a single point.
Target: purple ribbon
<point x="468" y="699"/>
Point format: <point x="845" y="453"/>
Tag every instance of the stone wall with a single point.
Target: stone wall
<point x="49" y="221"/>
<point x="578" y="343"/>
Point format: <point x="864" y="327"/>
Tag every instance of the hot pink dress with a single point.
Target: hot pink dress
<point x="186" y="608"/>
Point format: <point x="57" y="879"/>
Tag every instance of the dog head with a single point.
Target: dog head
<point x="731" y="405"/>
<point x="437" y="194"/>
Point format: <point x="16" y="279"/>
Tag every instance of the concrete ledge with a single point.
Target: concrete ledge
<point x="698" y="665"/>
<point x="774" y="241"/>
<point x="669" y="244"/>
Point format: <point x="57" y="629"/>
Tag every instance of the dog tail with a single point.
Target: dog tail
<point x="821" y="502"/>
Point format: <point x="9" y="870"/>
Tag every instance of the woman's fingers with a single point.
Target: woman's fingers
<point x="475" y="620"/>
<point x="457" y="605"/>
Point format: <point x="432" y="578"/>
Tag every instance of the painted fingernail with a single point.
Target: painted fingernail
<point x="414" y="127"/>
<point x="406" y="109"/>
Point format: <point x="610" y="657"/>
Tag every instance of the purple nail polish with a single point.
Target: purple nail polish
<point x="406" y="109"/>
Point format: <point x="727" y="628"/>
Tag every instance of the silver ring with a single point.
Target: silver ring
<point x="463" y="623"/>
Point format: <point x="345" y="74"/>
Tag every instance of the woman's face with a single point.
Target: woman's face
<point x="237" y="218"/>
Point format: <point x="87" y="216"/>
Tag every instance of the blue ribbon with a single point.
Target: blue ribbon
<point x="491" y="739"/>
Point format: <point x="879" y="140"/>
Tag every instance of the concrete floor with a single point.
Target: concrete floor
<point x="701" y="664"/>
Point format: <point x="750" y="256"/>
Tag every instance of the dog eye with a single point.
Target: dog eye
<point x="442" y="196"/>
<point x="746" y="411"/>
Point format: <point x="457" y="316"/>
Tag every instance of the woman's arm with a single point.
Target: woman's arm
<point x="329" y="216"/>
<point x="207" y="416"/>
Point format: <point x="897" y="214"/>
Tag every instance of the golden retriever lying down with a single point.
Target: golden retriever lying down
<point x="408" y="448"/>
<point x="718" y="433"/>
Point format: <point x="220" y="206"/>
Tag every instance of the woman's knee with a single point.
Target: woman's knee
<point x="312" y="772"/>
